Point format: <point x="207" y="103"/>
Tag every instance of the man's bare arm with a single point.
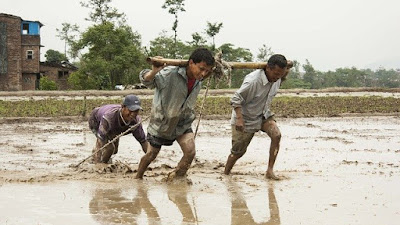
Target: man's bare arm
<point x="155" y="68"/>
<point x="239" y="119"/>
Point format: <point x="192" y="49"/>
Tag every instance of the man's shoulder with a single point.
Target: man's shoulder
<point x="110" y="110"/>
<point x="253" y="76"/>
<point x="169" y="70"/>
<point x="110" y="107"/>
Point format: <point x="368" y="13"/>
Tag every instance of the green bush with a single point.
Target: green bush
<point x="46" y="84"/>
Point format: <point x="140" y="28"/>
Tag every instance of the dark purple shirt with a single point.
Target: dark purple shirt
<point x="106" y="123"/>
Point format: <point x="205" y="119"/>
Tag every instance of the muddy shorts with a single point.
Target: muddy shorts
<point x="157" y="142"/>
<point x="241" y="140"/>
<point x="269" y="118"/>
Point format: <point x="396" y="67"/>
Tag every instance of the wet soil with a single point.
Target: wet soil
<point x="339" y="170"/>
<point x="147" y="93"/>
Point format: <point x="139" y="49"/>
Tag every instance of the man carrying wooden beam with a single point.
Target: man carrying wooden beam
<point x="251" y="111"/>
<point x="172" y="114"/>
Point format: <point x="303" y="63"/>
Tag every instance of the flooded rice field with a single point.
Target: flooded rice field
<point x="338" y="170"/>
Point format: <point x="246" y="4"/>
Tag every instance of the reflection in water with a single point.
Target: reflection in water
<point x="240" y="213"/>
<point x="177" y="193"/>
<point x="115" y="206"/>
<point x="108" y="206"/>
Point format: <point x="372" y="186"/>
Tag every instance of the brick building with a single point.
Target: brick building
<point x="58" y="72"/>
<point x="20" y="67"/>
<point x="19" y="53"/>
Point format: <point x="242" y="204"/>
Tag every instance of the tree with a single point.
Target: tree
<point x="310" y="75"/>
<point x="388" y="78"/>
<point x="116" y="49"/>
<point x="295" y="83"/>
<point x="55" y="56"/>
<point x="113" y="53"/>
<point x="350" y="77"/>
<point x="197" y="40"/>
<point x="232" y="54"/>
<point x="294" y="78"/>
<point x="68" y="34"/>
<point x="212" y="30"/>
<point x="91" y="75"/>
<point x="102" y="12"/>
<point x="174" y="7"/>
<point x="264" y="53"/>
<point x="295" y="71"/>
<point x="330" y="79"/>
<point x="164" y="46"/>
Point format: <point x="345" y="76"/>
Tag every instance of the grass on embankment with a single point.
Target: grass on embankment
<point x="219" y="106"/>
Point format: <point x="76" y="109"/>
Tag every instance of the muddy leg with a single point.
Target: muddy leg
<point x="107" y="152"/>
<point x="240" y="142"/>
<point x="97" y="156"/>
<point x="150" y="155"/>
<point x="274" y="133"/>
<point x="186" y="141"/>
<point x="231" y="162"/>
<point x="104" y="155"/>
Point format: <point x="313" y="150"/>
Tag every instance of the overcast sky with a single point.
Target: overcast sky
<point x="329" y="33"/>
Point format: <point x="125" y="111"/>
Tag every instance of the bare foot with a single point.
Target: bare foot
<point x="173" y="177"/>
<point x="271" y="175"/>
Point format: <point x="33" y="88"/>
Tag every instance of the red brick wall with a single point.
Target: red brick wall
<point x="12" y="81"/>
<point x="30" y="42"/>
<point x="52" y="73"/>
<point x="28" y="81"/>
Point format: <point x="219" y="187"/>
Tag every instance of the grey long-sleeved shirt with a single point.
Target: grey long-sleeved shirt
<point x="254" y="97"/>
<point x="172" y="112"/>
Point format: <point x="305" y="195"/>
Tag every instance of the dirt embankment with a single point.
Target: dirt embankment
<point x="213" y="92"/>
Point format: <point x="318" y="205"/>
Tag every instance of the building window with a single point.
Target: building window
<point x="62" y="74"/>
<point x="25" y="28"/>
<point x="29" y="54"/>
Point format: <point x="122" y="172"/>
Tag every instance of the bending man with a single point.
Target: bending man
<point x="108" y="121"/>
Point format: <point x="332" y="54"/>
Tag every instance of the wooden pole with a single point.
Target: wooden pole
<point x="170" y="62"/>
<point x="233" y="65"/>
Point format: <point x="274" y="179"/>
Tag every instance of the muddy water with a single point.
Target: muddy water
<point x="334" y="170"/>
<point x="70" y="95"/>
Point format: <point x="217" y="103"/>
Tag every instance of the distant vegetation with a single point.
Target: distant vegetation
<point x="215" y="106"/>
<point x="47" y="84"/>
<point x="110" y="52"/>
<point x="342" y="77"/>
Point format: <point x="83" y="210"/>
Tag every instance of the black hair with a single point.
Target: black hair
<point x="202" y="54"/>
<point x="277" y="60"/>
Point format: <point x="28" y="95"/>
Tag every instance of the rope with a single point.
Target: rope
<point x="219" y="73"/>
<point x="132" y="128"/>
<point x="202" y="106"/>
